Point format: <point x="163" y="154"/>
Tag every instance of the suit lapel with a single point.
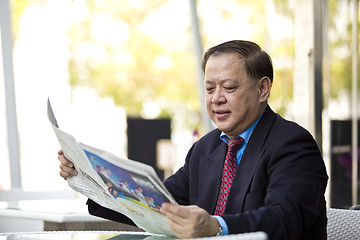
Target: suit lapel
<point x="249" y="161"/>
<point x="210" y="177"/>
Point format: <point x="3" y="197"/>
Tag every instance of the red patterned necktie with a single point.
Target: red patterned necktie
<point x="229" y="171"/>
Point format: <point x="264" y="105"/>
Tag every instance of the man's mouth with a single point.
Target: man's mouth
<point x="221" y="115"/>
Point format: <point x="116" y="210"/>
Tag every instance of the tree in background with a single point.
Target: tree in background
<point x="340" y="51"/>
<point x="113" y="51"/>
<point x="118" y="49"/>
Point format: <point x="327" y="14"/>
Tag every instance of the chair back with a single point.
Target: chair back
<point x="343" y="224"/>
<point x="240" y="236"/>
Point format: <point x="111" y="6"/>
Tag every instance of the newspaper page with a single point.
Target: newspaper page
<point x="129" y="187"/>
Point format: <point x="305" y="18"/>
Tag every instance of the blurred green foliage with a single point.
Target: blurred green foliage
<point x="134" y="68"/>
<point x="340" y="49"/>
<point x="137" y="69"/>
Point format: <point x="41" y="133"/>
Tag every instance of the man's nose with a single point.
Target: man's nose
<point x="218" y="97"/>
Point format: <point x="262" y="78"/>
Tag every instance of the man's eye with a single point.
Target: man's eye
<point x="209" y="89"/>
<point x="229" y="89"/>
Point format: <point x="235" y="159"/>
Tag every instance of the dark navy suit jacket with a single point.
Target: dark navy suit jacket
<point x="278" y="188"/>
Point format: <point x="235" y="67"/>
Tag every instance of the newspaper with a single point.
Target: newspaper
<point x="129" y="187"/>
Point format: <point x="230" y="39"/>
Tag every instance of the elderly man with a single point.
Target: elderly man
<point x="255" y="172"/>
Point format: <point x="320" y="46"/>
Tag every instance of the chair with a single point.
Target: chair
<point x="343" y="224"/>
<point x="240" y="236"/>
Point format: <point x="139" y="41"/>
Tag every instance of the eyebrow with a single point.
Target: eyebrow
<point x="221" y="81"/>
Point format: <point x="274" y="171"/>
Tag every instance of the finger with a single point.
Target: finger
<point x="178" y="219"/>
<point x="183" y="230"/>
<point x="175" y="219"/>
<point x="67" y="174"/>
<point x="60" y="152"/>
<point x="64" y="161"/>
<point x="178" y="230"/>
<point x="70" y="170"/>
<point x="175" y="209"/>
<point x="176" y="227"/>
<point x="64" y="175"/>
<point x="196" y="223"/>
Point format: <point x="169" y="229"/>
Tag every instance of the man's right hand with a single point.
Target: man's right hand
<point x="66" y="166"/>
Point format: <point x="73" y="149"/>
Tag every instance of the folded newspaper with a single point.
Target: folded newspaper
<point x="126" y="186"/>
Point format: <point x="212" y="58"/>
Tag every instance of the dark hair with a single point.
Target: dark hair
<point x="257" y="62"/>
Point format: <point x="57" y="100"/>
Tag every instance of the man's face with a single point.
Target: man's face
<point x="233" y="99"/>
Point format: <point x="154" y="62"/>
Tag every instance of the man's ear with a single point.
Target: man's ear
<point x="264" y="86"/>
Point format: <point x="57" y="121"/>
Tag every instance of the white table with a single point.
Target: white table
<point x="15" y="220"/>
<point x="118" y="235"/>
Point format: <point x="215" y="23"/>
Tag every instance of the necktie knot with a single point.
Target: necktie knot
<point x="234" y="143"/>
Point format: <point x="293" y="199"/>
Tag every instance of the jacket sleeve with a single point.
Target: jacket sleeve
<point x="99" y="211"/>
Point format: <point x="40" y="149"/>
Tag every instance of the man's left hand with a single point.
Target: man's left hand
<point x="189" y="221"/>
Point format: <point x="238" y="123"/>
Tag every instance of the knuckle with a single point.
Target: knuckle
<point x="64" y="168"/>
<point x="63" y="175"/>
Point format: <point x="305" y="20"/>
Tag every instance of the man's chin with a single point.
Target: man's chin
<point x="228" y="131"/>
<point x="224" y="129"/>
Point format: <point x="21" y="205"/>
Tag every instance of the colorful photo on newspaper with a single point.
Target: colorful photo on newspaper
<point x="123" y="183"/>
